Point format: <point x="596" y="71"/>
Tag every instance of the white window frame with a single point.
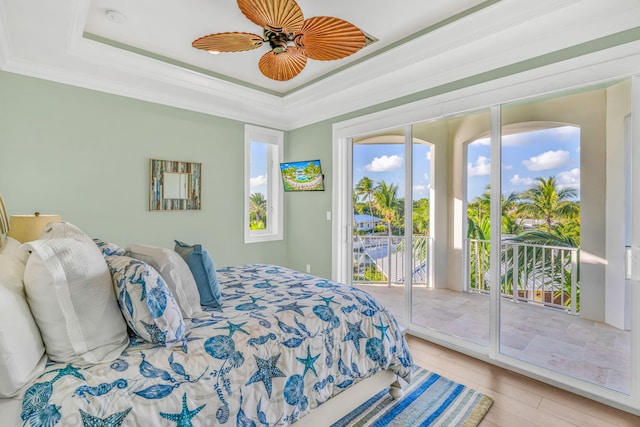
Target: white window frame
<point x="275" y="210"/>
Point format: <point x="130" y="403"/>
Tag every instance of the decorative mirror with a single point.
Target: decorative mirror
<point x="174" y="185"/>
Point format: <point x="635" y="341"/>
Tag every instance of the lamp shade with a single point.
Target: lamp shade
<point x="26" y="228"/>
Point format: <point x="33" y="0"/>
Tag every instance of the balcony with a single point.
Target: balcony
<point x="530" y="273"/>
<point x="539" y="305"/>
<point x="380" y="259"/>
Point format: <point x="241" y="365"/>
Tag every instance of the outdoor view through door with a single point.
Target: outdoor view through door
<point x="381" y="192"/>
<point x="422" y="204"/>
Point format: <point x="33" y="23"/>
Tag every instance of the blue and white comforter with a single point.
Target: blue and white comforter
<point x="282" y="343"/>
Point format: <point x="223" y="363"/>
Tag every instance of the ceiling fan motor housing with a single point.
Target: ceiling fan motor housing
<point x="277" y="40"/>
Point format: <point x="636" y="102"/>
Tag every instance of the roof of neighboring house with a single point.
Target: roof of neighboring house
<point x="366" y="218"/>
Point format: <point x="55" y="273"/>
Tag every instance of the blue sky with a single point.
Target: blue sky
<point x="258" y="168"/>
<point x="525" y="156"/>
<point x="386" y="162"/>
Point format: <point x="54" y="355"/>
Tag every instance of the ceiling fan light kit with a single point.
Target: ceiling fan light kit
<point x="292" y="38"/>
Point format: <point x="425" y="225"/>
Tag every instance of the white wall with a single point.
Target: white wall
<point x="618" y="292"/>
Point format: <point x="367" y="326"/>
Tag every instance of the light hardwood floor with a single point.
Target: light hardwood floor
<point x="517" y="400"/>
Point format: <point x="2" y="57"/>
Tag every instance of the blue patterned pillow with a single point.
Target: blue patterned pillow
<point x="146" y="302"/>
<point x="204" y="272"/>
<point x="109" y="249"/>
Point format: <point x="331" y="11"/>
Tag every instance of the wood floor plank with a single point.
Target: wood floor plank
<point x="514" y="409"/>
<point x="592" y="418"/>
<point x="483" y="374"/>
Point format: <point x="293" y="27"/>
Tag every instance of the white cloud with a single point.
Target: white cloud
<point x="258" y="181"/>
<point x="481" y="167"/>
<point x="428" y="155"/>
<point x="517" y="181"/>
<point x="482" y="141"/>
<point x="565" y="132"/>
<point x="547" y="160"/>
<point x="420" y="189"/>
<point x="570" y="178"/>
<point x="512" y="140"/>
<point x="385" y="163"/>
<point x="507" y="167"/>
<point x="527" y="137"/>
<point x="516" y="140"/>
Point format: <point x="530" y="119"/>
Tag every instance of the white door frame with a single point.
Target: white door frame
<point x="555" y="78"/>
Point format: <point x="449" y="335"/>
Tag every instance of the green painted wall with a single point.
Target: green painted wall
<point x="307" y="231"/>
<point x="85" y="155"/>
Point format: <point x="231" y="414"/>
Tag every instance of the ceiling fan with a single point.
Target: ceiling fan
<point x="292" y="38"/>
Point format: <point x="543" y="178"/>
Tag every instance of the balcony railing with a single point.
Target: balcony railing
<point x="537" y="274"/>
<point x="530" y="273"/>
<point x="380" y="259"/>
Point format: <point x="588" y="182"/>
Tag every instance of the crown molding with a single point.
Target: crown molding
<point x="478" y="46"/>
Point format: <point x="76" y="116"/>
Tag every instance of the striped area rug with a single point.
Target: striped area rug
<point x="430" y="400"/>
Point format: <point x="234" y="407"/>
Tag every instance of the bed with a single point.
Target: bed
<point x="281" y="344"/>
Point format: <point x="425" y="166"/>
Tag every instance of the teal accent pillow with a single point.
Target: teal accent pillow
<point x="204" y="272"/>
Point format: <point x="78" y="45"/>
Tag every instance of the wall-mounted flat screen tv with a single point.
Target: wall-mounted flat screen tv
<point x="302" y="176"/>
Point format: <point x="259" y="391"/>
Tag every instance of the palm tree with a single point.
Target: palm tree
<point x="570" y="226"/>
<point x="421" y="216"/>
<point x="479" y="252"/>
<point x="479" y="208"/>
<point x="257" y="211"/>
<point x="481" y="205"/>
<point x="548" y="202"/>
<point x="386" y="201"/>
<point x="364" y="189"/>
<point x="358" y="208"/>
<point x="509" y="213"/>
<point x="479" y="229"/>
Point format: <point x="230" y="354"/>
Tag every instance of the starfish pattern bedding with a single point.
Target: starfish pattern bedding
<point x="282" y="343"/>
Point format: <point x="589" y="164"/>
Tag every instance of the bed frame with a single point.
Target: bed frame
<point x="339" y="406"/>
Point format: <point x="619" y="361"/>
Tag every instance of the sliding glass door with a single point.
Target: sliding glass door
<point x="565" y="303"/>
<point x="455" y="300"/>
<point x="509" y="232"/>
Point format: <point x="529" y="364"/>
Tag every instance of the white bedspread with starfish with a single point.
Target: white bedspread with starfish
<point x="282" y="343"/>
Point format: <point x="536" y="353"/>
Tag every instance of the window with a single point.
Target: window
<point x="263" y="219"/>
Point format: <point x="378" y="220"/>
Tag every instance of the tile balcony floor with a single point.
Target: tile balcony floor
<point x="584" y="349"/>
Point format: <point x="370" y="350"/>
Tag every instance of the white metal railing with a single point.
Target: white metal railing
<point x="380" y="259"/>
<point x="540" y="274"/>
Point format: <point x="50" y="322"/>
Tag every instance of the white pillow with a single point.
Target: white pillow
<point x="69" y="291"/>
<point x="22" y="356"/>
<point x="176" y="274"/>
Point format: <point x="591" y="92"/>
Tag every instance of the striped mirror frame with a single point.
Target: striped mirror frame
<point x="4" y="222"/>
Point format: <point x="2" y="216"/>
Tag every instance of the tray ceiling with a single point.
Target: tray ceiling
<point x="142" y="49"/>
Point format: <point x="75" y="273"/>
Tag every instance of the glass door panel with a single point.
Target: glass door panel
<point x="563" y="297"/>
<point x="450" y="290"/>
<point x="378" y="217"/>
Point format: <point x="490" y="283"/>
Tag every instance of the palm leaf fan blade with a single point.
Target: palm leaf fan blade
<point x="282" y="66"/>
<point x="283" y="15"/>
<point x="228" y="42"/>
<point x="327" y="38"/>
